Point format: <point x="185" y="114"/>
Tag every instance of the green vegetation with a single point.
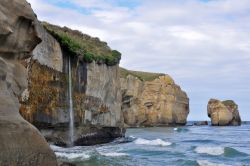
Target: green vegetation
<point x="143" y="76"/>
<point x="78" y="44"/>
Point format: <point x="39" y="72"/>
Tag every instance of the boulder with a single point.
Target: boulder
<point x="223" y="113"/>
<point x="21" y="143"/>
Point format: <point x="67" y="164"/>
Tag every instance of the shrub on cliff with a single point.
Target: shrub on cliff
<point x="79" y="44"/>
<point x="70" y="45"/>
<point x="88" y="57"/>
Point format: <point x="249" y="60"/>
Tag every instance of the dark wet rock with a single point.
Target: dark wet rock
<point x="84" y="136"/>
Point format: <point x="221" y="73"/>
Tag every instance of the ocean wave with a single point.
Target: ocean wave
<point x="124" y="140"/>
<point x="113" y="154"/>
<point x="70" y="153"/>
<point x="156" y="142"/>
<point x="178" y="129"/>
<point x="72" y="156"/>
<point x="175" y="129"/>
<point x="200" y="141"/>
<point x="208" y="163"/>
<point x="215" y="151"/>
<point x="231" y="152"/>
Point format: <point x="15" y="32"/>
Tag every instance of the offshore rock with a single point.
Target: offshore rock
<point x="158" y="102"/>
<point x="21" y="143"/>
<point x="223" y="113"/>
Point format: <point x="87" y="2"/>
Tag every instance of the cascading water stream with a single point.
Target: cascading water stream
<point x="71" y="111"/>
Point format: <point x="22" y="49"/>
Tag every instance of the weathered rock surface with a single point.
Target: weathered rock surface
<point x="21" y="143"/>
<point x="153" y="103"/>
<point x="48" y="52"/>
<point x="96" y="96"/>
<point x="223" y="113"/>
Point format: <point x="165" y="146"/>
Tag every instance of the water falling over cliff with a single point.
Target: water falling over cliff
<point x="71" y="111"/>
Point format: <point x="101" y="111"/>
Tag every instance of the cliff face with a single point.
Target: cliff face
<point x="103" y="88"/>
<point x="154" y="102"/>
<point x="223" y="113"/>
<point x="95" y="92"/>
<point x="21" y="143"/>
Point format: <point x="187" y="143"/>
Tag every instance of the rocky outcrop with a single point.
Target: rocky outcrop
<point x="157" y="102"/>
<point x="223" y="113"/>
<point x="96" y="96"/>
<point x="21" y="143"/>
<point x="201" y="123"/>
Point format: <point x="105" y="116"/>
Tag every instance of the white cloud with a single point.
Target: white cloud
<point x="203" y="45"/>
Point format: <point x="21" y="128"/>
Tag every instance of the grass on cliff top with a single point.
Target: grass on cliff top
<point x="78" y="44"/>
<point x="143" y="76"/>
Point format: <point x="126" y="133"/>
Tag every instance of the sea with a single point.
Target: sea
<point x="167" y="146"/>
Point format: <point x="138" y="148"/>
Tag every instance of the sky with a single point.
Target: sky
<point x="203" y="44"/>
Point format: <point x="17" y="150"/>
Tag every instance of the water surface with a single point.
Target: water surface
<point x="161" y="146"/>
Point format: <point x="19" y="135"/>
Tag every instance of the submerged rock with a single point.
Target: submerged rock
<point x="21" y="143"/>
<point x="223" y="113"/>
<point x="155" y="102"/>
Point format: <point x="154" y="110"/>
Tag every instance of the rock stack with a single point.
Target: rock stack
<point x="223" y="113"/>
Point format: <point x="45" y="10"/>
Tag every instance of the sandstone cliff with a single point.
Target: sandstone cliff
<point x="223" y="113"/>
<point x="21" y="143"/>
<point x="150" y="99"/>
<point x="95" y="90"/>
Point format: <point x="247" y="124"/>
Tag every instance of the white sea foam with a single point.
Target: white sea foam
<point x="215" y="151"/>
<point x="70" y="153"/>
<point x="72" y="156"/>
<point x="113" y="154"/>
<point x="156" y="142"/>
<point x="208" y="163"/>
<point x="175" y="129"/>
<point x="131" y="136"/>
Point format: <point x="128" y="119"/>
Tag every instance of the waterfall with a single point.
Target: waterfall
<point x="71" y="111"/>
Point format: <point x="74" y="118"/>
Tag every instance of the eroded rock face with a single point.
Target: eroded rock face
<point x="223" y="113"/>
<point x="48" y="52"/>
<point x="96" y="96"/>
<point x="103" y="86"/>
<point x="21" y="143"/>
<point x="153" y="103"/>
